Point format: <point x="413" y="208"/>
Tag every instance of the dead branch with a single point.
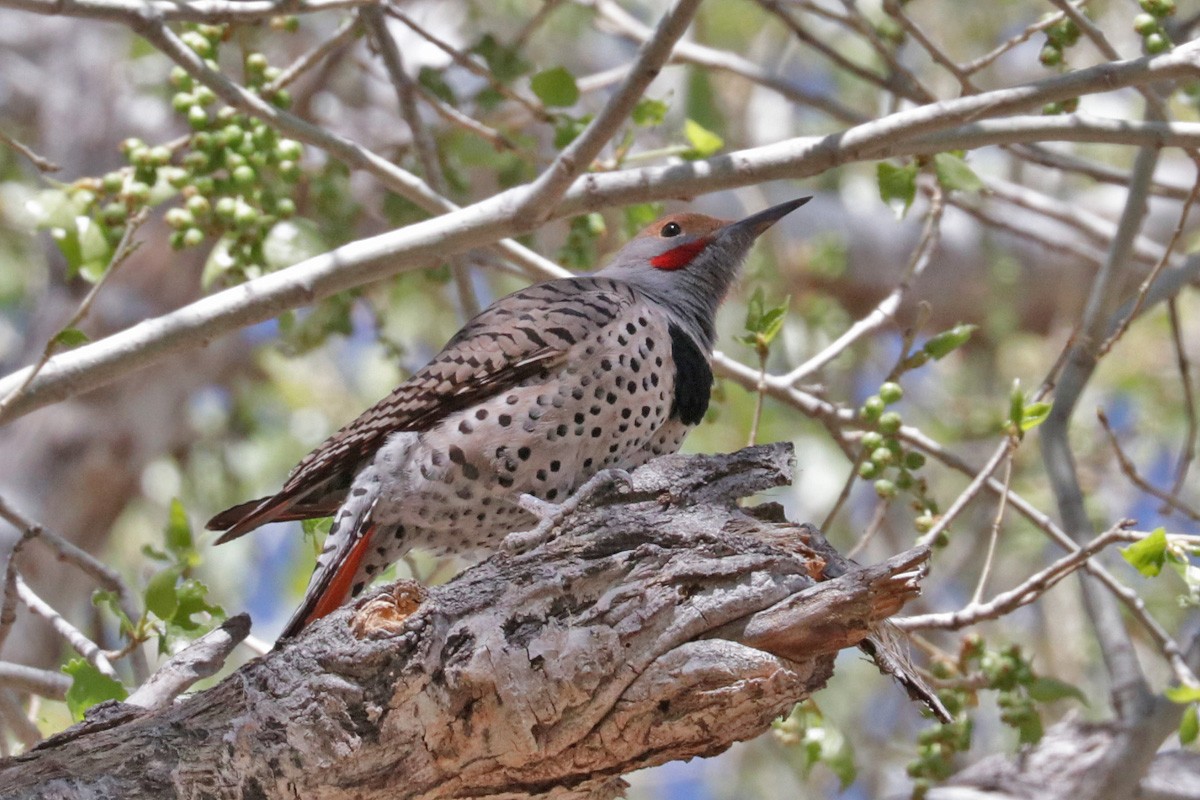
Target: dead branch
<point x="662" y="622"/>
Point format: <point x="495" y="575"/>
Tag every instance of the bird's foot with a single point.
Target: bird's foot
<point x="550" y="515"/>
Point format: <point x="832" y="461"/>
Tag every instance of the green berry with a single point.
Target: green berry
<point x="904" y="480"/>
<point x="176" y="240"/>
<point x="231" y="134"/>
<point x="872" y="407"/>
<point x="204" y="185"/>
<point x="131" y="144"/>
<point x="914" y="460"/>
<point x="889" y="422"/>
<point x="197" y="118"/>
<point x="1070" y="106"/>
<point x="891" y="392"/>
<point x="245" y="215"/>
<point x="1052" y="109"/>
<point x="176" y="177"/>
<point x="1051" y="55"/>
<point x="885" y="488"/>
<point x="180" y="79"/>
<point x="112" y="182"/>
<point x="872" y="440"/>
<point x="199" y="43"/>
<point x="289" y="150"/>
<point x="285" y="207"/>
<point x="233" y="160"/>
<point x="196" y="161"/>
<point x="244" y="175"/>
<point x="204" y="96"/>
<point x="272" y="74"/>
<point x="1159" y="8"/>
<point x="182" y="101"/>
<point x="225" y="208"/>
<point x="193" y="237"/>
<point x="1156" y="43"/>
<point x="289" y="171"/>
<point x="137" y="192"/>
<point x="882" y="456"/>
<point x="282" y="99"/>
<point x="256" y="63"/>
<point x="923" y="523"/>
<point x="1145" y="24"/>
<point x="198" y="204"/>
<point x="159" y="156"/>
<point x="113" y="214"/>
<point x="227" y="114"/>
<point x="868" y="470"/>
<point x="179" y="218"/>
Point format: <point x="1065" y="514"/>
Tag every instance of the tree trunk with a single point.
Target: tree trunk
<point x="662" y="622"/>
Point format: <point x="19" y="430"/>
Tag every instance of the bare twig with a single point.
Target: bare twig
<point x="884" y="312"/>
<point x="345" y="33"/>
<point x="536" y="204"/>
<point x="200" y="659"/>
<point x="1187" y="453"/>
<point x="1029" y="590"/>
<point x="125" y="248"/>
<point x="72" y="635"/>
<point x="43" y="164"/>
<point x="1131" y="472"/>
<point x="34" y="681"/>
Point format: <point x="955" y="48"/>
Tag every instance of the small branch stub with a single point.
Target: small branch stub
<point x="662" y="622"/>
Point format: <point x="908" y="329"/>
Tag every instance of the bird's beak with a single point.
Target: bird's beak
<point x="756" y="224"/>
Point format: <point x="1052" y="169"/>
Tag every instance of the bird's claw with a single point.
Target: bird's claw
<point x="550" y="515"/>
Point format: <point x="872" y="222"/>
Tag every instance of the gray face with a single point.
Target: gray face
<point x="687" y="262"/>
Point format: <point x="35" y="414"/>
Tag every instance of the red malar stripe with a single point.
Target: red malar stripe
<point x="680" y="256"/>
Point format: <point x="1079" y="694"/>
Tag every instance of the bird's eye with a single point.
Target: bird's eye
<point x="672" y="229"/>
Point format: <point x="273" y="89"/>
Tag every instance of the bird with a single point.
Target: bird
<point x="534" y="396"/>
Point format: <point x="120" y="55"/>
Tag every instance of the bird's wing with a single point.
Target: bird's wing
<point x="525" y="334"/>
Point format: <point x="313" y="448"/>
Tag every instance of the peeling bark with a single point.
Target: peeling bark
<point x="661" y="623"/>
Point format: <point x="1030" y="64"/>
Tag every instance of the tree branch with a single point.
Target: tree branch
<point x="662" y="623"/>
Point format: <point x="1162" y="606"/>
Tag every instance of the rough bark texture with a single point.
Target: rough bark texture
<point x="661" y="623"/>
<point x="1054" y="768"/>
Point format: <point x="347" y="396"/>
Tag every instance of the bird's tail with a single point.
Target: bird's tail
<point x="339" y="566"/>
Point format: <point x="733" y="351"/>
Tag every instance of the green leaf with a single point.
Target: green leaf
<point x="897" y="185"/>
<point x="102" y="598"/>
<point x="1183" y="694"/>
<point x="504" y="61"/>
<point x="703" y="141"/>
<point x="555" y="87"/>
<point x="1035" y="414"/>
<point x="220" y="260"/>
<point x="89" y="687"/>
<point x="193" y="599"/>
<point x="649" y="112"/>
<point x="1029" y="729"/>
<point x="179" y="530"/>
<point x="953" y="173"/>
<point x="1047" y="690"/>
<point x="1148" y="556"/>
<point x="1189" y="726"/>
<point x="71" y="337"/>
<point x="433" y="80"/>
<point x="162" y="598"/>
<point x="946" y="342"/>
<point x="566" y="128"/>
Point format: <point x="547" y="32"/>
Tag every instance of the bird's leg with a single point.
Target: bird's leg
<point x="550" y="515"/>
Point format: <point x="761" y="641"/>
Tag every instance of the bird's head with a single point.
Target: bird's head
<point x="687" y="262"/>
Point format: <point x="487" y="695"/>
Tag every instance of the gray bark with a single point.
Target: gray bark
<point x="662" y="622"/>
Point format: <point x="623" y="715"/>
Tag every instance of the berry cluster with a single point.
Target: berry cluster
<point x="884" y="458"/>
<point x="234" y="174"/>
<point x="1149" y="25"/>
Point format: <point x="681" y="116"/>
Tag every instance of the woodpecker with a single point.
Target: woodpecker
<point x="535" y="395"/>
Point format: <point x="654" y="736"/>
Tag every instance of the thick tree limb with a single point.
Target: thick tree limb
<point x="662" y="623"/>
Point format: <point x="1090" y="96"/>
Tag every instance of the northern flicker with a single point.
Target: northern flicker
<point x="535" y="395"/>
